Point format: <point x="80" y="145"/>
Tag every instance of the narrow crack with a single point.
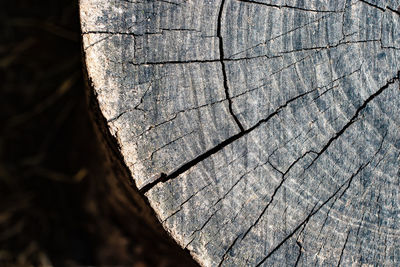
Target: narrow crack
<point x="223" y="60"/>
<point x="229" y="249"/>
<point x="202" y="227"/>
<point x="168" y="144"/>
<point x="280" y="35"/>
<point x="381" y="8"/>
<point x="222" y="57"/>
<point x="192" y="61"/>
<point x="143" y="2"/>
<point x="174" y="62"/>
<point x="184" y="202"/>
<point x="289" y="7"/>
<point x="343" y="248"/>
<point x="96" y="42"/>
<point x="300" y="252"/>
<point x="179" y="30"/>
<point x="114" y="33"/>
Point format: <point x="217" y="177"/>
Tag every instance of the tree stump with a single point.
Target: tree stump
<point x="262" y="133"/>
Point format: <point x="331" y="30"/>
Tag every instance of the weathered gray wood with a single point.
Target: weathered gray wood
<point x="261" y="132"/>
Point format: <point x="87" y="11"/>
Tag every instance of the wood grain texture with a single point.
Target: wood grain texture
<point x="263" y="133"/>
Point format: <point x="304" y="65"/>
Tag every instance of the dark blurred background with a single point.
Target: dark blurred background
<point x="53" y="204"/>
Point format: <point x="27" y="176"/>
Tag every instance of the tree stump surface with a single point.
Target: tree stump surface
<point x="262" y="133"/>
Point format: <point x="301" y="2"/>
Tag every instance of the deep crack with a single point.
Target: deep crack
<point x="222" y="57"/>
<point x="164" y="178"/>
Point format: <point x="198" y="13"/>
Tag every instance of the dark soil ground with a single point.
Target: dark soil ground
<point x="52" y="204"/>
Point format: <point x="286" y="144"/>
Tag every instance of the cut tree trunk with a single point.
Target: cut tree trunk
<point x="260" y="132"/>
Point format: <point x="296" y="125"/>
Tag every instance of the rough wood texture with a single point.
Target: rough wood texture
<point x="261" y="132"/>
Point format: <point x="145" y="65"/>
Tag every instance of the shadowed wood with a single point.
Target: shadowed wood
<point x="261" y="132"/>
